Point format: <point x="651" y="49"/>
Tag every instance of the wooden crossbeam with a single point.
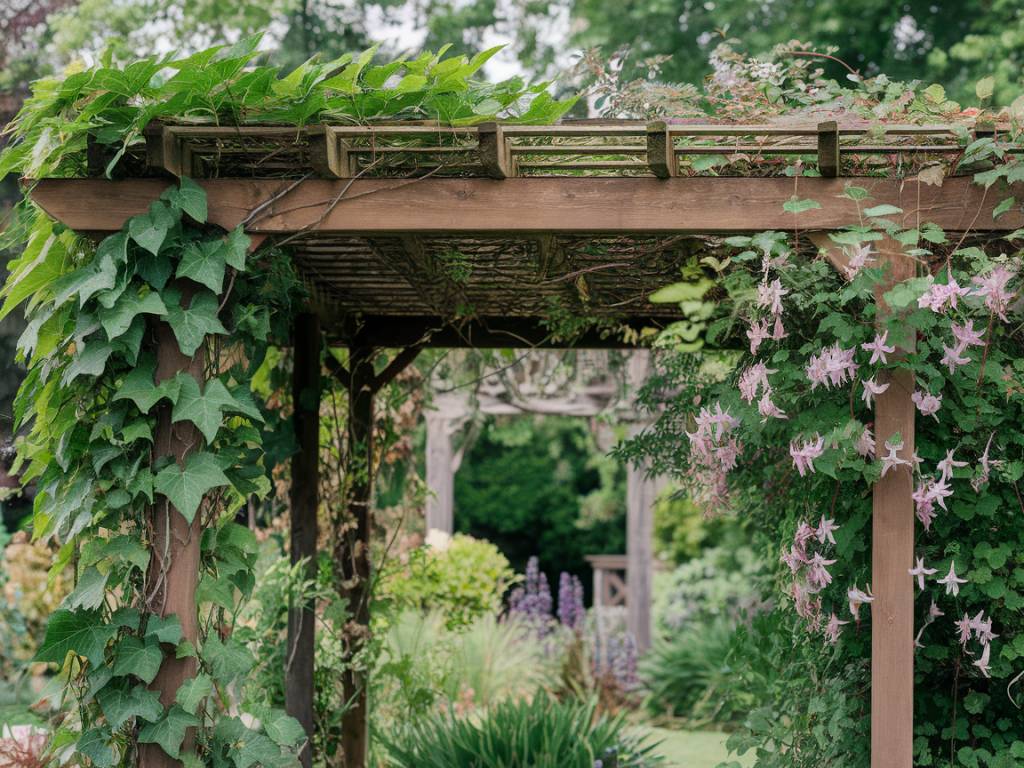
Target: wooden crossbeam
<point x="530" y="205"/>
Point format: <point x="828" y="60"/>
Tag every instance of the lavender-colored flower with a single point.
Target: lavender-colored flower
<point x="532" y="602"/>
<point x="571" y="612"/>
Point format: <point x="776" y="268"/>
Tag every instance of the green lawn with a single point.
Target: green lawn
<point x="695" y="749"/>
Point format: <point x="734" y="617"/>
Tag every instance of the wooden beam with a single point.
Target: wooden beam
<point x="892" y="552"/>
<point x="396" y="331"/>
<point x="402" y="360"/>
<point x="352" y="554"/>
<point x="304" y="502"/>
<point x="494" y="152"/>
<point x="828" y="149"/>
<point x="173" y="575"/>
<point x="588" y="205"/>
<point x="661" y="151"/>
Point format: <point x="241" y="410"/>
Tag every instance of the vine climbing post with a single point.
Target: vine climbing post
<point x="304" y="502"/>
<point x="173" y="575"/>
<point x="892" y="553"/>
<point x="353" y="551"/>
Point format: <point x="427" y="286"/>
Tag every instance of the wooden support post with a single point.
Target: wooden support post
<point x="353" y="553"/>
<point x="661" y="152"/>
<point x="327" y="154"/>
<point x="892" y="554"/>
<point x="828" y="149"/>
<point x="304" y="502"/>
<point x="493" y="150"/>
<point x="440" y="473"/>
<point x="174" y="568"/>
<point x="640" y="497"/>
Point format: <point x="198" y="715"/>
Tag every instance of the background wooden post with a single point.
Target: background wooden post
<point x="641" y="493"/>
<point x="174" y="569"/>
<point x="892" y="553"/>
<point x="304" y="503"/>
<point x="353" y="553"/>
<point x="440" y="473"/>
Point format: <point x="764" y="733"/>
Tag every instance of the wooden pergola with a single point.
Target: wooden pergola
<point x="412" y="236"/>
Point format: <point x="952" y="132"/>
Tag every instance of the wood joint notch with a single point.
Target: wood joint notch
<point x="328" y="153"/>
<point x="165" y="151"/>
<point x="661" y="152"/>
<point x="828" y="149"/>
<point x="495" y="154"/>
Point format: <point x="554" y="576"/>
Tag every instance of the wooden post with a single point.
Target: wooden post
<point x="304" y="502"/>
<point x="353" y="553"/>
<point x="440" y="473"/>
<point x="892" y="554"/>
<point x="640" y="497"/>
<point x="174" y="568"/>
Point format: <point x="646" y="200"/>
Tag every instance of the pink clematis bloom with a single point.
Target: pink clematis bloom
<point x="825" y="531"/>
<point x="831" y="367"/>
<point x="948" y="464"/>
<point x="952" y="581"/>
<point x="934" y="611"/>
<point x="832" y="629"/>
<point x="768" y="409"/>
<point x="939" y="295"/>
<point x="963" y="628"/>
<point x="752" y="379"/>
<point x="927" y="403"/>
<point x="857" y="258"/>
<point x="858" y="598"/>
<point x="871" y="389"/>
<point x="891" y="460"/>
<point x="866" y="444"/>
<point x="953" y="358"/>
<point x="817" y="572"/>
<point x="769" y="296"/>
<point x="778" y="331"/>
<point x="993" y="287"/>
<point x="966" y="336"/>
<point x="983" y="628"/>
<point x="919" y="572"/>
<point x="804" y="455"/>
<point x="878" y="349"/>
<point x="985" y="466"/>
<point x="758" y="333"/>
<point x="983" y="663"/>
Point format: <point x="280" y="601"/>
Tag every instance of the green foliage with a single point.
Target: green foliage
<point x="542" y="733"/>
<point x="538" y="486"/>
<point x="463" y="579"/>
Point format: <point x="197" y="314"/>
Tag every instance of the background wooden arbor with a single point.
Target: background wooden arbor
<point x="401" y="228"/>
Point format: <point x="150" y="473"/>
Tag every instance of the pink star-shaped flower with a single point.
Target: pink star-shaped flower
<point x="952" y="581"/>
<point x="878" y="349"/>
<point x="919" y="571"/>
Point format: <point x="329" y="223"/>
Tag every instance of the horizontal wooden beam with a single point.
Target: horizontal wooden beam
<point x="399" y="331"/>
<point x="585" y="205"/>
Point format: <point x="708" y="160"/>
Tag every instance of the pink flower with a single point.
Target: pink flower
<point x="831" y="367"/>
<point x="794" y="559"/>
<point x="953" y="358"/>
<point x="857" y="257"/>
<point x="963" y="628"/>
<point x="871" y="389"/>
<point x="934" y="612"/>
<point x="778" y="332"/>
<point x="948" y="464"/>
<point x="939" y="295"/>
<point x="919" y="571"/>
<point x="952" y="581"/>
<point x="817" y="572"/>
<point x="983" y="628"/>
<point x="825" y="530"/>
<point x="769" y="296"/>
<point x="985" y="466"/>
<point x="858" y="598"/>
<point x="866" y="444"/>
<point x="993" y="287"/>
<point x="768" y="409"/>
<point x="983" y="663"/>
<point x="804" y="456"/>
<point x="878" y="349"/>
<point x="752" y="379"/>
<point x="927" y="403"/>
<point x="757" y="334"/>
<point x="891" y="460"/>
<point x="966" y="336"/>
<point x="832" y="629"/>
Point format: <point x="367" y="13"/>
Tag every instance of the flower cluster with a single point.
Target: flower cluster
<point x="809" y="566"/>
<point x="532" y="602"/>
<point x="714" y="449"/>
<point x="571" y="612"/>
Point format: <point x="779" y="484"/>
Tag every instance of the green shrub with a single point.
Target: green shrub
<point x="543" y="733"/>
<point x="463" y="581"/>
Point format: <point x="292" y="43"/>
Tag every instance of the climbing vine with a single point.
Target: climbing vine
<point x="139" y="423"/>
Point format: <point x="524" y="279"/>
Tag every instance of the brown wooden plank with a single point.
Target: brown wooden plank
<point x="892" y="556"/>
<point x="564" y="205"/>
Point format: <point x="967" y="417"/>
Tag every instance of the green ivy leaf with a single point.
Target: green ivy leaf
<point x="192" y="325"/>
<point x="204" y="262"/>
<point x="137" y="657"/>
<point x="166" y="629"/>
<point x="139" y="387"/>
<point x="228" y="659"/>
<point x="237" y="248"/>
<point x="81" y="632"/>
<point x="150" y="229"/>
<point x="282" y="728"/>
<point x="88" y="592"/>
<point x="122" y="700"/>
<point x="186" y="488"/>
<point x="882" y="210"/>
<point x="189" y="198"/>
<point x="192" y="692"/>
<point x="117" y="320"/>
<point x="796" y="205"/>
<point x="205" y="409"/>
<point x="169" y="732"/>
<point x="95" y="745"/>
<point x="91" y="361"/>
